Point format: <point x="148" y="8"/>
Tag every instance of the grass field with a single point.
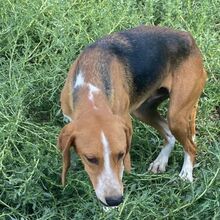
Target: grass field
<point x="38" y="42"/>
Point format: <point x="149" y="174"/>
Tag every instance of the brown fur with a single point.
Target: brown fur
<point x="183" y="84"/>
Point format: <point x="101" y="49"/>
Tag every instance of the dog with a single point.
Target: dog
<point x="130" y="72"/>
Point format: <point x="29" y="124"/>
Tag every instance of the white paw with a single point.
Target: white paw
<point x="187" y="169"/>
<point x="186" y="174"/>
<point x="159" y="165"/>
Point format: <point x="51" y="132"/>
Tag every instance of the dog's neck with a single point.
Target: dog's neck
<point x="91" y="99"/>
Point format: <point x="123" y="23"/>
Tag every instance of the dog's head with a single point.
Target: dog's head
<point x="102" y="142"/>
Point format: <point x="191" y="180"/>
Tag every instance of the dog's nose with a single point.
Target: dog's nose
<point x="114" y="200"/>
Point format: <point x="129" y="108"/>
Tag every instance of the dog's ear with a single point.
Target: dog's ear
<point x="65" y="141"/>
<point x="127" y="159"/>
<point x="127" y="126"/>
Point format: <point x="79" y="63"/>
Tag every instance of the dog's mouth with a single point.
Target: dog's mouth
<point x="105" y="205"/>
<point x="107" y="208"/>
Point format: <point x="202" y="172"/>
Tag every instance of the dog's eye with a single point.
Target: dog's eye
<point x="93" y="160"/>
<point x="120" y="155"/>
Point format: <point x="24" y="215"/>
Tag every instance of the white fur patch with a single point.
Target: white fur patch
<point x="79" y="80"/>
<point x="92" y="89"/>
<point x="66" y="118"/>
<point x="107" y="183"/>
<point x="106" y="152"/>
<point x="187" y="169"/>
<point x="160" y="163"/>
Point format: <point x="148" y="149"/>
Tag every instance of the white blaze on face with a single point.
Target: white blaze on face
<point x="108" y="184"/>
<point x="79" y="80"/>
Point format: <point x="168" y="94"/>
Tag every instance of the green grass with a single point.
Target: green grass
<point x="38" y="42"/>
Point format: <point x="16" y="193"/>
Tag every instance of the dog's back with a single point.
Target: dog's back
<point x="146" y="52"/>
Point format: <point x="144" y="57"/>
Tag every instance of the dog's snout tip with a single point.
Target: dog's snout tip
<point x="114" y="200"/>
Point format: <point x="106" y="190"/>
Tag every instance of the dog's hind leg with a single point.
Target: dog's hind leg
<point x="148" y="113"/>
<point x="187" y="86"/>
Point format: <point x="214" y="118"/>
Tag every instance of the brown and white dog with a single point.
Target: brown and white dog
<point x="130" y="72"/>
